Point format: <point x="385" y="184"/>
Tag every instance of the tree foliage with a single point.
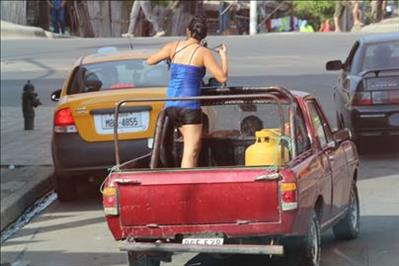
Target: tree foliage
<point x="314" y="11"/>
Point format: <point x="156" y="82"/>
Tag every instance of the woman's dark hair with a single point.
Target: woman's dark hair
<point x="198" y="28"/>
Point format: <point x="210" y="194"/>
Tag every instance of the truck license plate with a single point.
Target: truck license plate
<point x="203" y="241"/>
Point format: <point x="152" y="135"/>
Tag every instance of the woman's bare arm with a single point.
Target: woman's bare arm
<point x="162" y="54"/>
<point x="220" y="73"/>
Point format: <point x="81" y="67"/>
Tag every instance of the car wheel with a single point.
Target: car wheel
<point x="310" y="255"/>
<point x="141" y="259"/>
<point x="65" y="188"/>
<point x="349" y="226"/>
<point x="305" y="250"/>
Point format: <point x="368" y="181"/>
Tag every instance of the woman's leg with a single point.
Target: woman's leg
<point x="192" y="144"/>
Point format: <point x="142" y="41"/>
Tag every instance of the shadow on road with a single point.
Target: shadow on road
<point x="381" y="146"/>
<point x="371" y="248"/>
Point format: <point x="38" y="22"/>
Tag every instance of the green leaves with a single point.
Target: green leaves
<point x="314" y="11"/>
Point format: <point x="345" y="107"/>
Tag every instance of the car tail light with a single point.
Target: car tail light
<point x="362" y="98"/>
<point x="110" y="201"/>
<point x="386" y="97"/>
<point x="64" y="122"/>
<point x="393" y="96"/>
<point x="288" y="196"/>
<point x="380" y="97"/>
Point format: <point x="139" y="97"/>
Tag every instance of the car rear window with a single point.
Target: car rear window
<point x="124" y="74"/>
<point x="381" y="56"/>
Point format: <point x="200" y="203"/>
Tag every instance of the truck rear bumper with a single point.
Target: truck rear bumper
<point x="225" y="249"/>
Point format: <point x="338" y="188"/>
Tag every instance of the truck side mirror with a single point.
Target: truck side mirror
<point x="55" y="96"/>
<point x="334" y="65"/>
<point x="342" y="135"/>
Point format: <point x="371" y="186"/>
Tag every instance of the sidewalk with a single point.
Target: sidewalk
<point x="386" y="25"/>
<point x="26" y="166"/>
<point x="15" y="31"/>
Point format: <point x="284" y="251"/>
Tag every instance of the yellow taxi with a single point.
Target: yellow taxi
<point x="82" y="142"/>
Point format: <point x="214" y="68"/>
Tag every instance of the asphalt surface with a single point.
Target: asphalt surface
<point x="76" y="234"/>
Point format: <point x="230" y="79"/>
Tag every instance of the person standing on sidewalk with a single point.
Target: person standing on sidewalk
<point x="189" y="61"/>
<point x="339" y="11"/>
<point x="134" y="14"/>
<point x="29" y="102"/>
<point x="57" y="15"/>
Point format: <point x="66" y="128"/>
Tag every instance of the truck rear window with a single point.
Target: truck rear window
<point x="236" y="134"/>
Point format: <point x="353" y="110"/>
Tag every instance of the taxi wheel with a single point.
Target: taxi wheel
<point x="65" y="188"/>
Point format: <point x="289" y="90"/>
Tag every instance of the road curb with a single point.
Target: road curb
<point x="11" y="30"/>
<point x="38" y="184"/>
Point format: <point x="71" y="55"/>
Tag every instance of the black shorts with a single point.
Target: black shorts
<point x="182" y="116"/>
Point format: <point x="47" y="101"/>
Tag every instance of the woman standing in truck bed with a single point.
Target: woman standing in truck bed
<point x="189" y="61"/>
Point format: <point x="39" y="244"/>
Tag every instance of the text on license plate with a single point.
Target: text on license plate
<point x="203" y="241"/>
<point x="126" y="120"/>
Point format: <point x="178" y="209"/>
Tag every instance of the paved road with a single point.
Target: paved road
<point x="75" y="233"/>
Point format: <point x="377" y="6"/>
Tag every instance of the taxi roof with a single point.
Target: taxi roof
<point x="112" y="56"/>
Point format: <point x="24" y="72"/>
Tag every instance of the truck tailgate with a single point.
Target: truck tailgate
<point x="189" y="197"/>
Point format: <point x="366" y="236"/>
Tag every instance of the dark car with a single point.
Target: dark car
<point x="367" y="93"/>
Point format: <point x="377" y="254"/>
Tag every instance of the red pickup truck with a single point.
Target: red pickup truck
<point x="249" y="195"/>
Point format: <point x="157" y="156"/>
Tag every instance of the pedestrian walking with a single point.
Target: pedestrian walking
<point x="378" y="9"/>
<point x="340" y="6"/>
<point x="224" y="16"/>
<point x="57" y="15"/>
<point x="189" y="61"/>
<point x="29" y="102"/>
<point x="134" y="14"/>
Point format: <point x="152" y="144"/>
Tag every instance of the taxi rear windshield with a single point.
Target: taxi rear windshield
<point x="124" y="74"/>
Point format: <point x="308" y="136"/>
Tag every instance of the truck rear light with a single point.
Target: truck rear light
<point x="288" y="196"/>
<point x="64" y="122"/>
<point x="110" y="201"/>
<point x="362" y="98"/>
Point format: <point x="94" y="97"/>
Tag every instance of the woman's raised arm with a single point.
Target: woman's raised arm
<point x="162" y="54"/>
<point x="220" y="73"/>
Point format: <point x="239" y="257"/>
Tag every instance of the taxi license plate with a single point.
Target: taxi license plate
<point x="203" y="241"/>
<point x="128" y="122"/>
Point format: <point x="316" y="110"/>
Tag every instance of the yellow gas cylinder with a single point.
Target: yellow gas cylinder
<point x="266" y="150"/>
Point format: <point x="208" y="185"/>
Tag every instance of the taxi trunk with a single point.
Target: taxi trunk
<point x="94" y="120"/>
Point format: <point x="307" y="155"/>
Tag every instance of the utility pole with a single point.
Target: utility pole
<point x="253" y="17"/>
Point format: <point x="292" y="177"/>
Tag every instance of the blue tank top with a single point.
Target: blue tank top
<point x="185" y="81"/>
